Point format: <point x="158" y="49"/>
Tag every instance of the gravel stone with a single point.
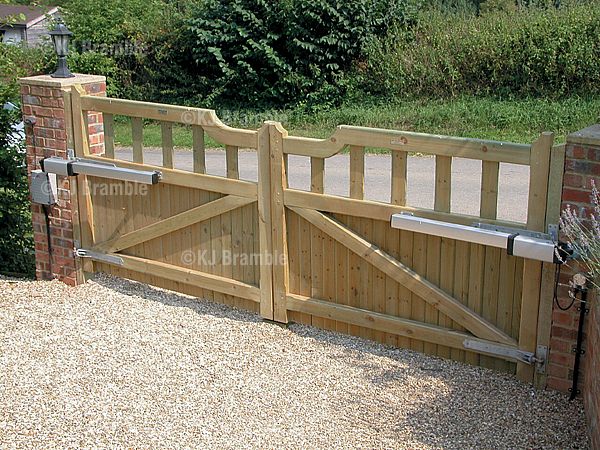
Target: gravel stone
<point x="115" y="363"/>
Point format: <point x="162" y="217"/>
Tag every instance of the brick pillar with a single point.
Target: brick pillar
<point x="582" y="165"/>
<point x="49" y="133"/>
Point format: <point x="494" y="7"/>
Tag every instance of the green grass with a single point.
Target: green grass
<point x="514" y="120"/>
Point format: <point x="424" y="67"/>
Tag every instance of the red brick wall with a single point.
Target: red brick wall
<point x="582" y="166"/>
<point x="591" y="387"/>
<point x="43" y="104"/>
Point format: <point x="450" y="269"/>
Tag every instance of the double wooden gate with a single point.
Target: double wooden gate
<point x="330" y="261"/>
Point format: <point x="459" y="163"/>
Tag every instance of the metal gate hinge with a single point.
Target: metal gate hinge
<point x="100" y="257"/>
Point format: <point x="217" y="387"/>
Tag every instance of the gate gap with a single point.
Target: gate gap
<point x="513" y="192"/>
<point x="298" y="172"/>
<point x="421" y="186"/>
<point x="466" y="186"/>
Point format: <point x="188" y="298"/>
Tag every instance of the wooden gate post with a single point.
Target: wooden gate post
<point x="279" y="257"/>
<point x="532" y="270"/>
<point x="264" y="222"/>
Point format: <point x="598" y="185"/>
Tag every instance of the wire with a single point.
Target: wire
<point x="47" y="211"/>
<point x="556" y="283"/>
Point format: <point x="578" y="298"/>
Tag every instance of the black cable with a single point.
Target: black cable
<point x="47" y="210"/>
<point x="556" y="283"/>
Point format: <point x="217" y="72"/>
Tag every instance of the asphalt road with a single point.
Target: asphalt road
<point x="466" y="178"/>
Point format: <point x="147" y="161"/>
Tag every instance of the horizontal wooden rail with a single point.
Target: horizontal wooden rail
<point x="206" y="118"/>
<point x="387" y="324"/>
<point x="376" y="210"/>
<point x="177" y="177"/>
<point x="344" y="135"/>
<point x="188" y="276"/>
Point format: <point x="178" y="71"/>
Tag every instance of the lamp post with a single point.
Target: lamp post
<point x="60" y="39"/>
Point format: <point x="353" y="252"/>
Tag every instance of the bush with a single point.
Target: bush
<point x="278" y="52"/>
<point x="19" y="61"/>
<point x="16" y="235"/>
<point x="531" y="52"/>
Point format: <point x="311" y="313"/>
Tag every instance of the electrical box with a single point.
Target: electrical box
<point x="43" y="188"/>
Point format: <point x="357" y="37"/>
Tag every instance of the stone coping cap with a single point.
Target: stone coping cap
<point x="587" y="136"/>
<point x="48" y="81"/>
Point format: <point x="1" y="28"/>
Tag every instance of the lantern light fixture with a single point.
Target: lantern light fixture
<point x="60" y="39"/>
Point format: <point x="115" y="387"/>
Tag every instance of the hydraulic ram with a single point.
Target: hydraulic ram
<point x="72" y="167"/>
<point x="515" y="244"/>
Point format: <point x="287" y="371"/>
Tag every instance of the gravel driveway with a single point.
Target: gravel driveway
<point x="117" y="363"/>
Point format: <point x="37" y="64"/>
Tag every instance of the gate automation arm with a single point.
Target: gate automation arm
<point x="77" y="166"/>
<point x="515" y="244"/>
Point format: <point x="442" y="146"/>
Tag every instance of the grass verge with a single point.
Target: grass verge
<point x="484" y="118"/>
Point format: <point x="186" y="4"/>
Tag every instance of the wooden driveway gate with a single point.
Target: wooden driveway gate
<point x="330" y="261"/>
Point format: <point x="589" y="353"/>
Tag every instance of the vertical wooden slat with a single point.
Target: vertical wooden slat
<point x="278" y="228"/>
<point x="357" y="172"/>
<point x="306" y="262"/>
<point x="399" y="177"/>
<point x="476" y="271"/>
<point x="419" y="265"/>
<point x="491" y="286"/>
<point x="137" y="132"/>
<point x="505" y="300"/>
<point x="532" y="270"/>
<point x="392" y="297"/>
<point x="198" y="149"/>
<point x="329" y="275"/>
<point x="355" y="265"/>
<point x="433" y="259"/>
<point x="342" y="275"/>
<point x="461" y="288"/>
<point x="109" y="135"/>
<point x="488" y="208"/>
<point x="380" y="228"/>
<point x="294" y="260"/>
<point x="406" y="297"/>
<point x="446" y="277"/>
<point x="216" y="244"/>
<point x="367" y="275"/>
<point x="166" y="129"/>
<point x="231" y="155"/>
<point x="264" y="222"/>
<point x="317" y="185"/>
<point x="443" y="183"/>
<point x="317" y="175"/>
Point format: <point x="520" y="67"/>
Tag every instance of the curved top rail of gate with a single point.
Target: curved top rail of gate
<point x="345" y="135"/>
<point x="205" y="118"/>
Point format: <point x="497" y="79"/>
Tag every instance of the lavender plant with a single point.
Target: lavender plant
<point x="584" y="235"/>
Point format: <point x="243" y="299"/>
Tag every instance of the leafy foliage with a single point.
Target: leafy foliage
<point x="530" y="52"/>
<point x="16" y="235"/>
<point x="270" y="51"/>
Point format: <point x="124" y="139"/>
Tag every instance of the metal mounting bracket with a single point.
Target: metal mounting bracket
<point x="502" y="351"/>
<point x="100" y="257"/>
<point x="542" y="355"/>
<point x="509" y="230"/>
